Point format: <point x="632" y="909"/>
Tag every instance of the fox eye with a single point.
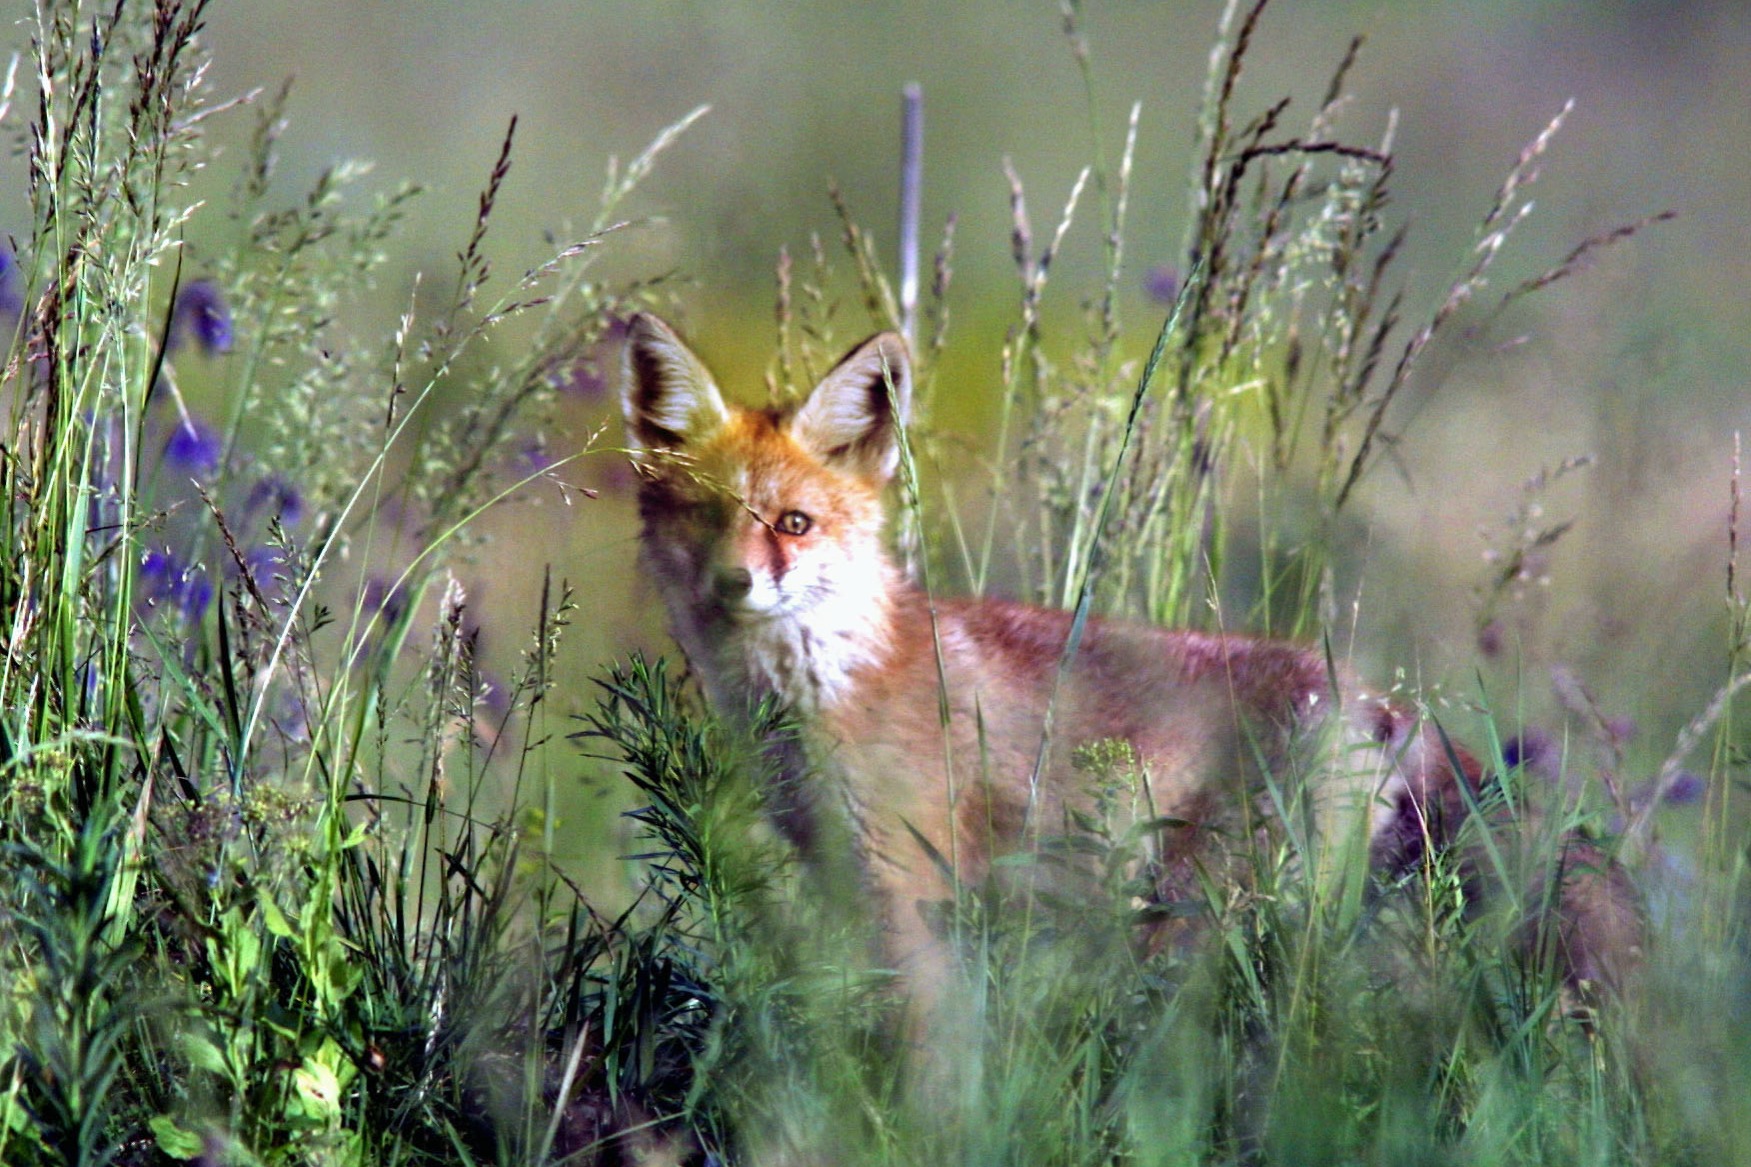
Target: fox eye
<point x="793" y="523"/>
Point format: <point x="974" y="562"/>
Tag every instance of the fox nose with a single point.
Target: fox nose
<point x="733" y="583"/>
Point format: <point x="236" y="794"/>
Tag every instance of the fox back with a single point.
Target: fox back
<point x="945" y="733"/>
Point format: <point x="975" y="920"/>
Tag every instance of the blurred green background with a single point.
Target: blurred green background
<point x="1639" y="362"/>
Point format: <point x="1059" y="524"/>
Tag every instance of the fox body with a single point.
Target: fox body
<point x="940" y="731"/>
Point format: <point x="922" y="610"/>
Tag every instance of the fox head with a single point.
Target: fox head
<point x="763" y="527"/>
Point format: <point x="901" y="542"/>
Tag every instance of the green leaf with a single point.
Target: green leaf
<point x="276" y="921"/>
<point x="203" y="1054"/>
<point x="175" y="1141"/>
<point x="318" y="1092"/>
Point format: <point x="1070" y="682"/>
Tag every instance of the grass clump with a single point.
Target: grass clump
<point x="276" y="882"/>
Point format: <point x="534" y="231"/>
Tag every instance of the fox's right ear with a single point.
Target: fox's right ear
<point x="852" y="419"/>
<point x="667" y="395"/>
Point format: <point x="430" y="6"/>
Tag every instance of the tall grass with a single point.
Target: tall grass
<point x="275" y="879"/>
<point x="275" y="882"/>
<point x="1318" y="1018"/>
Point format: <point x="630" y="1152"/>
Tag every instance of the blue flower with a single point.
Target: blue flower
<point x="1686" y="787"/>
<point x="268" y="569"/>
<point x="201" y="309"/>
<point x="11" y="299"/>
<point x="157" y="566"/>
<point x="193" y="446"/>
<point x="1535" y="753"/>
<point x="165" y="579"/>
<point x="587" y="375"/>
<point x="383" y="598"/>
<point x="533" y="455"/>
<point x="194" y="595"/>
<point x="264" y="561"/>
<point x="1161" y="282"/>
<point x="582" y="378"/>
<point x="278" y="498"/>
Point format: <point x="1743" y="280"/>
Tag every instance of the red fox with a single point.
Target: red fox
<point x="944" y="731"/>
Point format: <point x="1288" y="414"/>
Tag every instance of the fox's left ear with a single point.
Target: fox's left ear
<point x="668" y="397"/>
<point x="852" y="420"/>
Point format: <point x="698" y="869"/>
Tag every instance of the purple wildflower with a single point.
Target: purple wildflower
<point x="11" y="299"/>
<point x="1161" y="283"/>
<point x="166" y="580"/>
<point x="194" y="595"/>
<point x="1687" y="787"/>
<point x="533" y="455"/>
<point x="582" y="377"/>
<point x="156" y="567"/>
<point x="193" y="446"/>
<point x="278" y="498"/>
<point x="493" y="698"/>
<point x="587" y="375"/>
<point x="200" y="309"/>
<point x="268" y="569"/>
<point x="380" y="598"/>
<point x="1534" y="753"/>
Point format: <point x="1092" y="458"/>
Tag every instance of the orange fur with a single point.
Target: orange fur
<point x="763" y="531"/>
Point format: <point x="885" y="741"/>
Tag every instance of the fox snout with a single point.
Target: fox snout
<point x="732" y="584"/>
<point x="742" y="573"/>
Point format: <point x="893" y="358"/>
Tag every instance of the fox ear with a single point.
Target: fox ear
<point x="851" y="420"/>
<point x="667" y="395"/>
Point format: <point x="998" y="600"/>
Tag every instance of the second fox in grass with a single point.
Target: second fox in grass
<point x="940" y="733"/>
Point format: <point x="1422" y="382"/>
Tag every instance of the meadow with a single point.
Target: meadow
<point x="303" y="854"/>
